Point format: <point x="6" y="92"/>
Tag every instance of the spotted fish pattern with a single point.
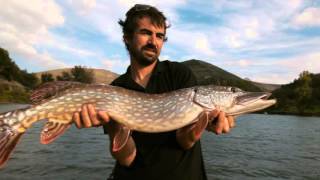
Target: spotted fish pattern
<point x="134" y="110"/>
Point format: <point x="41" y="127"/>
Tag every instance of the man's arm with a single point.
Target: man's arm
<point x="215" y="121"/>
<point x="89" y="117"/>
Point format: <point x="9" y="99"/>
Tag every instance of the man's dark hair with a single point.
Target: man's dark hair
<point x="139" y="11"/>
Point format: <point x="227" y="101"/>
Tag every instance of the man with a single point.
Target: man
<point x="170" y="155"/>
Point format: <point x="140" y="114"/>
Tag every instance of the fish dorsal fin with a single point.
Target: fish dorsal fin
<point x="51" y="89"/>
<point x="52" y="130"/>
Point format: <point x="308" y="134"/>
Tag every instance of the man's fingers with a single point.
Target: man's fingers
<point x="231" y="121"/>
<point x="226" y="126"/>
<point x="76" y="119"/>
<point x="93" y="115"/>
<point x="104" y="116"/>
<point x="85" y="116"/>
<point x="220" y="123"/>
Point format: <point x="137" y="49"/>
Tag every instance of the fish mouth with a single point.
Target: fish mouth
<point x="251" y="97"/>
<point x="251" y="102"/>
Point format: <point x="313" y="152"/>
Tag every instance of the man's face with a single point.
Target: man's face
<point x="146" y="42"/>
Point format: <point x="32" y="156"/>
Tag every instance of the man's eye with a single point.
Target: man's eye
<point x="161" y="37"/>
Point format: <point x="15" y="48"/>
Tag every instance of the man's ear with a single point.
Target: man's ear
<point x="125" y="39"/>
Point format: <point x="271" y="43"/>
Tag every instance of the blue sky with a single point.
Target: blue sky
<point x="266" y="41"/>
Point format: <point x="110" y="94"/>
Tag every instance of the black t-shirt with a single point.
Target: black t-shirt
<point x="159" y="156"/>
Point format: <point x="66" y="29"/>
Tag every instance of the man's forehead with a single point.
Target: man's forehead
<point x="146" y="23"/>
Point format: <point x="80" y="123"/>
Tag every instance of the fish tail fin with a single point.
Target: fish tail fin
<point x="8" y="141"/>
<point x="9" y="136"/>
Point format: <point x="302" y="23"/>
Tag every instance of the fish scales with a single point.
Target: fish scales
<point x="133" y="110"/>
<point x="125" y="106"/>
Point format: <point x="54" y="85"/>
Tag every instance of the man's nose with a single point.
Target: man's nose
<point x="152" y="39"/>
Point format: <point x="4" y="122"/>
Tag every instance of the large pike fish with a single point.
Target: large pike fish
<point x="134" y="110"/>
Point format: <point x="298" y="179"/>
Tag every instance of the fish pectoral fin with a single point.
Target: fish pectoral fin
<point x="121" y="138"/>
<point x="200" y="124"/>
<point x="8" y="141"/>
<point x="52" y="130"/>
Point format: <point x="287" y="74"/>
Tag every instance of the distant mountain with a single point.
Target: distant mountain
<point x="100" y="75"/>
<point x="207" y="73"/>
<point x="265" y="86"/>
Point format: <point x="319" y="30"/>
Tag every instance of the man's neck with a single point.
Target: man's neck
<point x="141" y="74"/>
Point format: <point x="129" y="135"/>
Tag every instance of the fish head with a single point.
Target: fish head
<point x="232" y="100"/>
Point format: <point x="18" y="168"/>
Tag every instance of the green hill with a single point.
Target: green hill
<point x="210" y="74"/>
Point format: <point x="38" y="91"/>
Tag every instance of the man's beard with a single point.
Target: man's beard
<point x="143" y="59"/>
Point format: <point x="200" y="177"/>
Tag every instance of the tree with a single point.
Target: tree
<point x="28" y="80"/>
<point x="303" y="90"/>
<point x="46" y="77"/>
<point x="81" y="74"/>
<point x="65" y="76"/>
<point x="8" y="68"/>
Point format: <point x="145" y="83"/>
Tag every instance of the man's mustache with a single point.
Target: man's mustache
<point x="150" y="47"/>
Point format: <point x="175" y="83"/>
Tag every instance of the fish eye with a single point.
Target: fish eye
<point x="233" y="89"/>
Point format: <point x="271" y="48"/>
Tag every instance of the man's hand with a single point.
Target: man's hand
<point x="220" y="123"/>
<point x="89" y="117"/>
<point x="215" y="121"/>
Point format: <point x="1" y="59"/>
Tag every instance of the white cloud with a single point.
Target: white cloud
<point x="309" y="17"/>
<point x="202" y="45"/>
<point x="83" y="7"/>
<point x="115" y="64"/>
<point x="196" y="43"/>
<point x="273" y="78"/>
<point x="24" y="24"/>
<point x="241" y="63"/>
<point x="273" y="70"/>
<point x="309" y="62"/>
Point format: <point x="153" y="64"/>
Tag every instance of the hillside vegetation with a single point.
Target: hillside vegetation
<point x="301" y="97"/>
<point x="11" y="72"/>
<point x="14" y="83"/>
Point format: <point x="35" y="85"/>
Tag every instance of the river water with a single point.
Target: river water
<point x="260" y="147"/>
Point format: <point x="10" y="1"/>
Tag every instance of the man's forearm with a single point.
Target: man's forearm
<point x="185" y="139"/>
<point x="189" y="135"/>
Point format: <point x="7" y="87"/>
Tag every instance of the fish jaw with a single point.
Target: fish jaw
<point x="249" y="97"/>
<point x="233" y="101"/>
<point x="250" y="102"/>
